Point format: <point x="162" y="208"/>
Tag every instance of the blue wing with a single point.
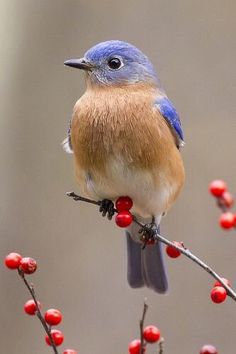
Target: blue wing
<point x="168" y="111"/>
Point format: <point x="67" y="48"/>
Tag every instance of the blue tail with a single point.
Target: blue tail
<point x="145" y="266"/>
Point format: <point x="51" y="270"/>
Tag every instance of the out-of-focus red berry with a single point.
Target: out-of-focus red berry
<point x="124" y="203"/>
<point x="70" y="351"/>
<point x="218" y="294"/>
<point x="134" y="346"/>
<point x="173" y="252"/>
<point x="123" y="218"/>
<point x="226" y="281"/>
<point x="208" y="349"/>
<point x="226" y="220"/>
<point x="151" y="241"/>
<point x="30" y="307"/>
<point x="226" y="200"/>
<point x="151" y="334"/>
<point x="12" y="260"/>
<point x="217" y="187"/>
<point x="57" y="337"/>
<point x="53" y="317"/>
<point x="28" y="265"/>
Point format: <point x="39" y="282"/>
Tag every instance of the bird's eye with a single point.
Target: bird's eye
<point x="114" y="63"/>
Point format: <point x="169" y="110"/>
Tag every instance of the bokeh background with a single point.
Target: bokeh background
<point x="81" y="257"/>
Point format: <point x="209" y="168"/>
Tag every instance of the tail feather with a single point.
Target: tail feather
<point x="134" y="274"/>
<point x="145" y="266"/>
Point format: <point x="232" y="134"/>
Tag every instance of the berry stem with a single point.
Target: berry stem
<point x="162" y="239"/>
<point x="141" y="324"/>
<point x="38" y="312"/>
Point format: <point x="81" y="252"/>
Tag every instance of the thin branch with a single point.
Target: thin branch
<point x="161" y="346"/>
<point x="38" y="312"/>
<point x="198" y="261"/>
<point x="162" y="239"/>
<point x="77" y="197"/>
<point x="141" y="324"/>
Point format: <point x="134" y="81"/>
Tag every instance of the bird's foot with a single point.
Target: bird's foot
<point x="107" y="208"/>
<point x="147" y="234"/>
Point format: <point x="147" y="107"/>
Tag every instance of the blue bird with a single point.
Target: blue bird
<point x="125" y="135"/>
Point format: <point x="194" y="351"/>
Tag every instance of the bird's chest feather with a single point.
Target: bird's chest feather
<point x="118" y="123"/>
<point x="123" y="146"/>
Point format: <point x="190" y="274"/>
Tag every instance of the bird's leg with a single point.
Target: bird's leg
<point x="148" y="232"/>
<point x="107" y="208"/>
<point x="153" y="223"/>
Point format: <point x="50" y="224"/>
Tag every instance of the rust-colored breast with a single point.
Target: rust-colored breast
<point x="119" y="121"/>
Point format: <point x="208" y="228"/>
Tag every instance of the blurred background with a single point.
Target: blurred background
<point x="82" y="257"/>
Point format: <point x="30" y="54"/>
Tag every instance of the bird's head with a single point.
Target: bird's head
<point x="115" y="63"/>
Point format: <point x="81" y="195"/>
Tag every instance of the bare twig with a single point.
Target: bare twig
<point x="161" y="346"/>
<point x="77" y="197"/>
<point x="141" y="324"/>
<point x="162" y="239"/>
<point x="38" y="312"/>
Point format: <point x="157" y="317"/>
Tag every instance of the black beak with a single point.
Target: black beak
<point x="79" y="64"/>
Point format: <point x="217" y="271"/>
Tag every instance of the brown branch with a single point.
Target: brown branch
<point x="38" y="312"/>
<point x="161" y="346"/>
<point x="141" y="324"/>
<point x="162" y="239"/>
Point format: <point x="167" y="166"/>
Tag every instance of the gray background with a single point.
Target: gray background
<point x="82" y="258"/>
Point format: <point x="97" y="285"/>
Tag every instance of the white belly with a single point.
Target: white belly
<point x="150" y="194"/>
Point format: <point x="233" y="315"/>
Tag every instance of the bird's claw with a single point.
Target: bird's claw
<point x="107" y="208"/>
<point x="147" y="234"/>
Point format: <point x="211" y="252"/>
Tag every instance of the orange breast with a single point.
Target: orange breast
<point x="121" y="121"/>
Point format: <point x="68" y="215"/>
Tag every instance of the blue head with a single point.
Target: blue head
<point x="116" y="63"/>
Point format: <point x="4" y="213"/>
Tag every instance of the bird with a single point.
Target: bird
<point x="126" y="136"/>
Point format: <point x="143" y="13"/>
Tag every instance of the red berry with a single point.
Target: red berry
<point x="226" y="200"/>
<point x="226" y="220"/>
<point x="226" y="281"/>
<point x="151" y="334"/>
<point x="70" y="351"/>
<point x="208" y="349"/>
<point x="124" y="203"/>
<point x="151" y="241"/>
<point x="123" y="218"/>
<point x="173" y="252"/>
<point x="135" y="346"/>
<point x="12" y="260"/>
<point x="53" y="317"/>
<point x="218" y="294"/>
<point x="30" y="307"/>
<point x="28" y="265"/>
<point x="57" y="337"/>
<point x="217" y="188"/>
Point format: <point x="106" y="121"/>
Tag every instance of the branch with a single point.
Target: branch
<point x="161" y="346"/>
<point x="154" y="235"/>
<point x="141" y="324"/>
<point x="38" y="312"/>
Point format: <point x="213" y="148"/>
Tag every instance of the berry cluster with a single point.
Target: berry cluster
<point x="225" y="201"/>
<point x="52" y="317"/>
<point x="218" y="292"/>
<point x="26" y="265"/>
<point x="123" y="217"/>
<point x="151" y="334"/>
